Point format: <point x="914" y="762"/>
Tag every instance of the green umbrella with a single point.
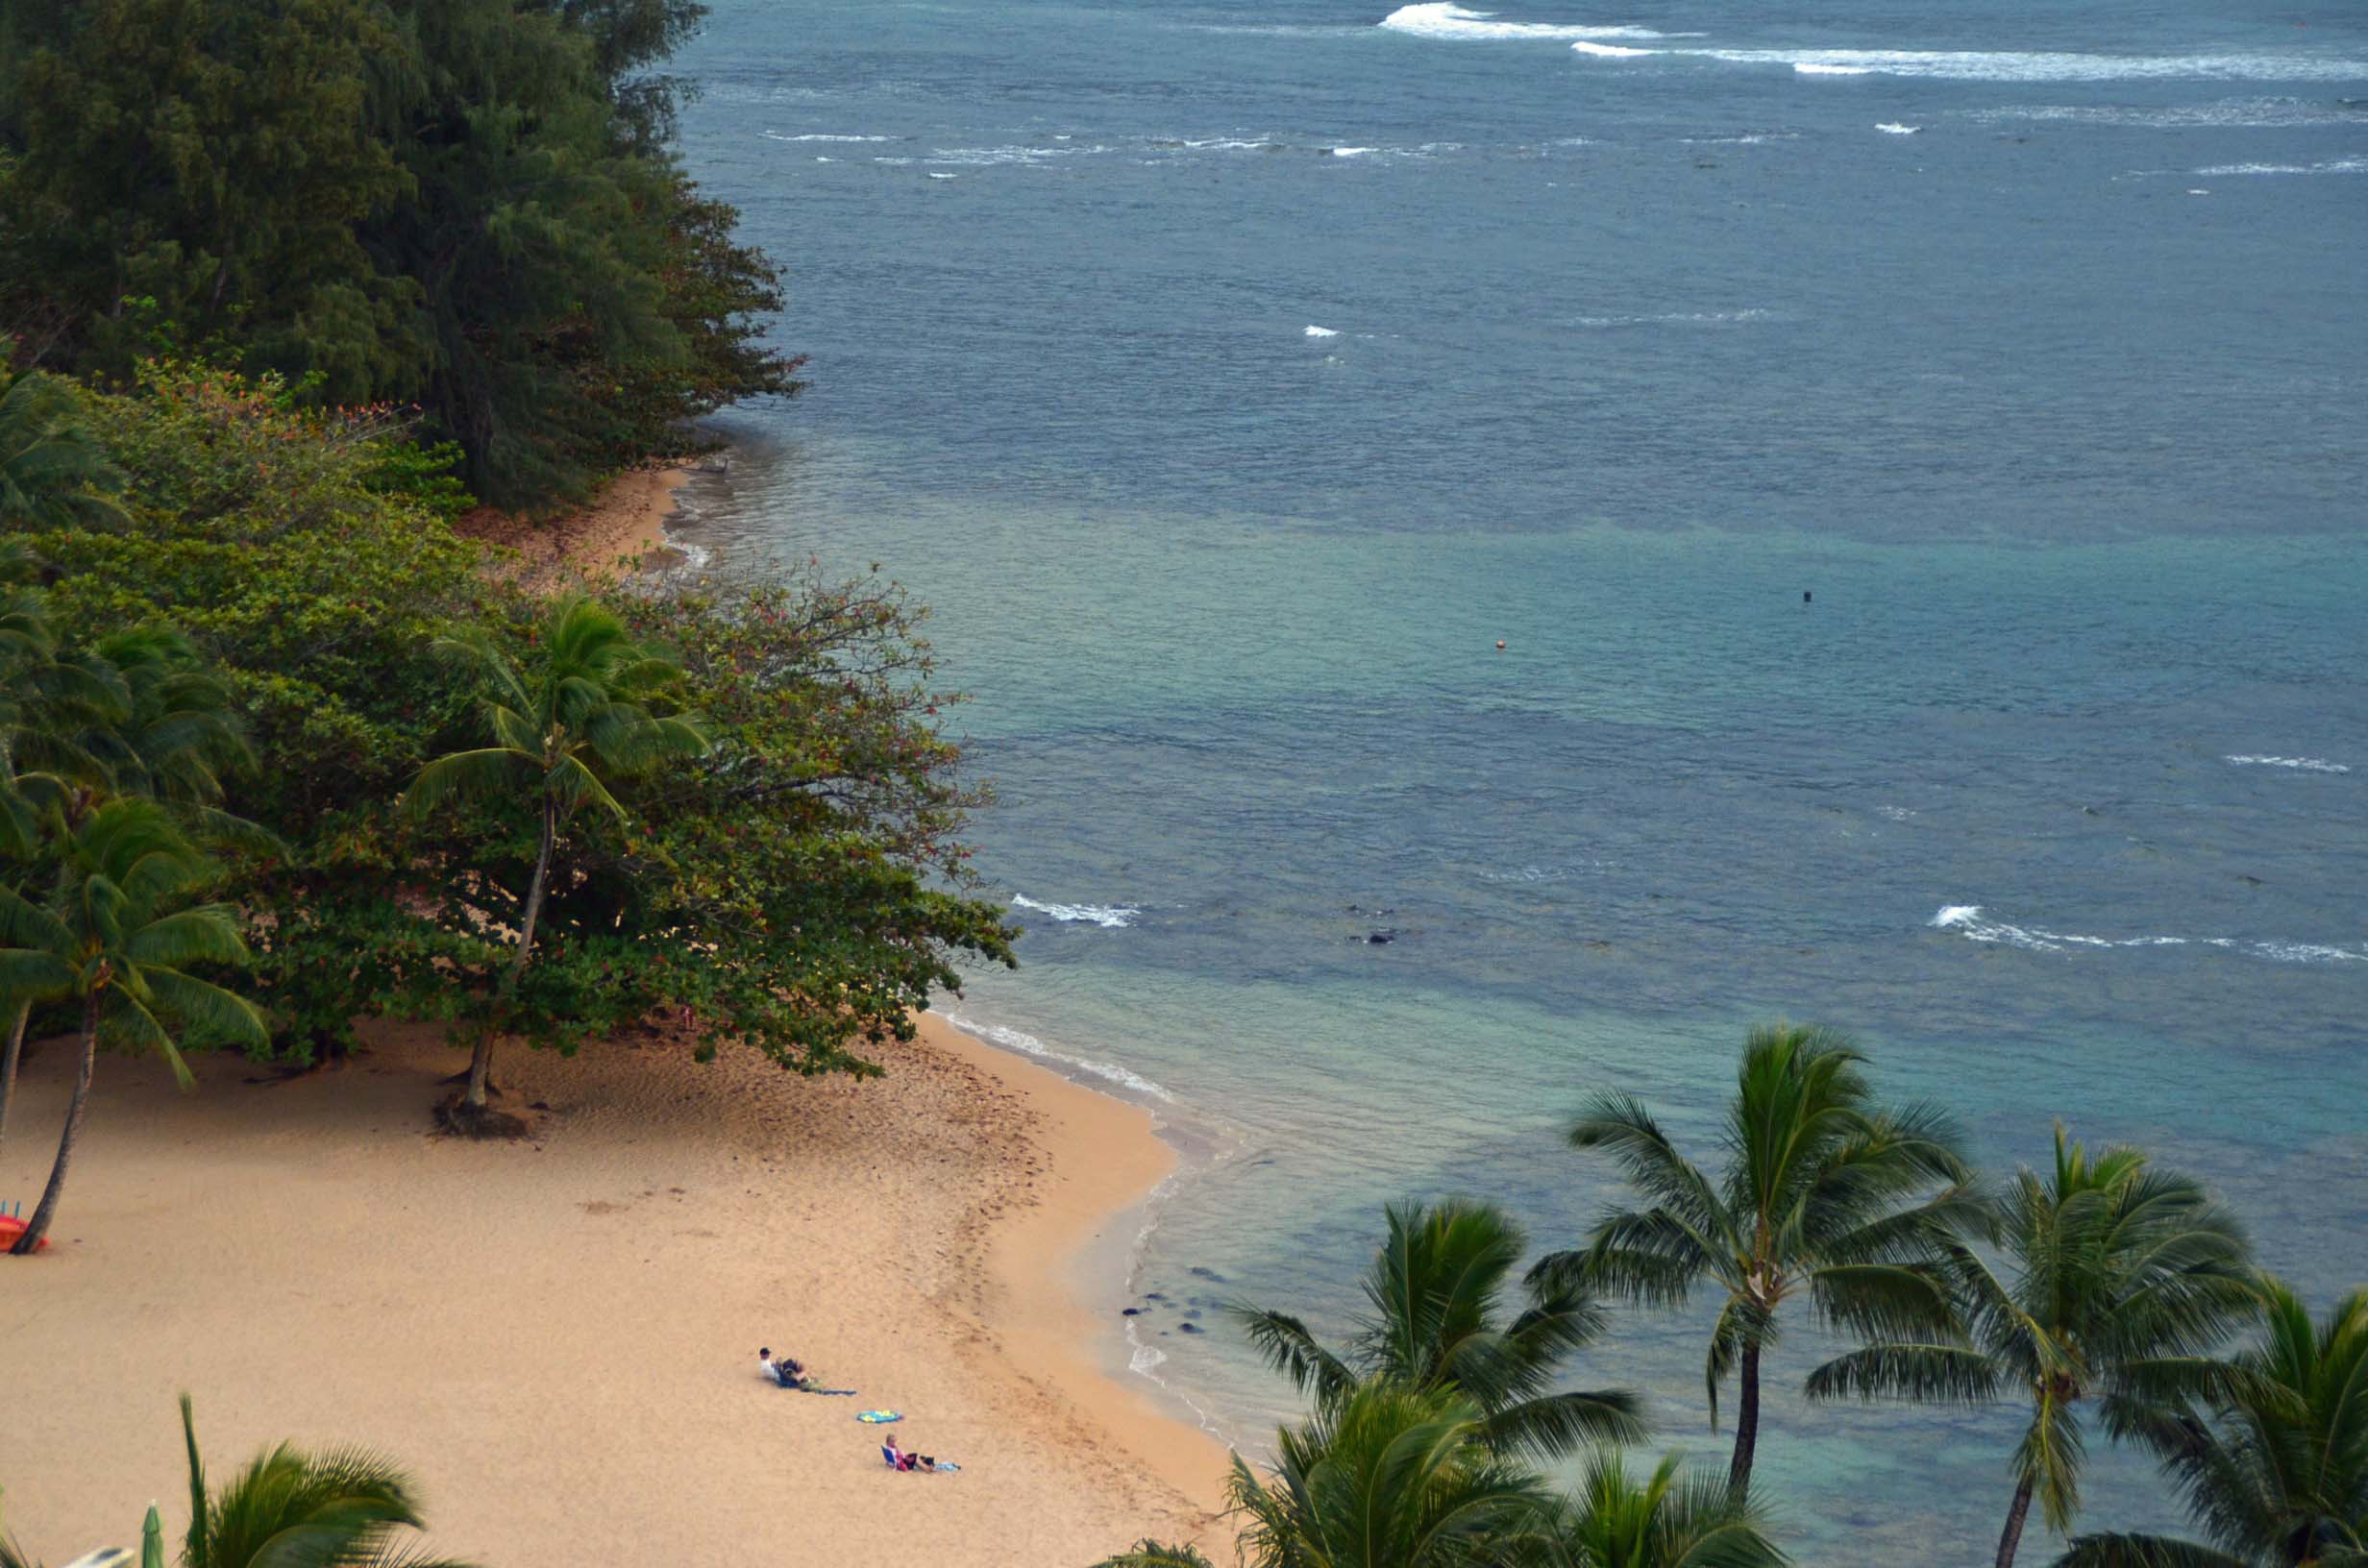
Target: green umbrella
<point x="152" y="1540"/>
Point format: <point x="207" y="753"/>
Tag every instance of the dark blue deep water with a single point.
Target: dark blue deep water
<point x="1232" y="378"/>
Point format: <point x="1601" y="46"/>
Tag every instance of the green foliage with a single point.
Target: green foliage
<point x="1825" y="1195"/>
<point x="815" y="853"/>
<point x="52" y="470"/>
<point x="465" y="205"/>
<point x="1387" y="1474"/>
<point x="1437" y="1319"/>
<point x="1669" y="1519"/>
<point x="2123" y="1278"/>
<point x="345" y="1509"/>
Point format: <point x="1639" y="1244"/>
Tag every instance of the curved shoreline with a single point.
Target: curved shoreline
<point x="557" y="1335"/>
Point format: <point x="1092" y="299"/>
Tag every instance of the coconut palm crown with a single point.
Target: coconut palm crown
<point x="1438" y="1318"/>
<point x="1826" y="1196"/>
<point x="2280" y="1478"/>
<point x="2117" y="1282"/>
<point x="580" y="716"/>
<point x="115" y="938"/>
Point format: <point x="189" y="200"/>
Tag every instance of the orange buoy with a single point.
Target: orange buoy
<point x="1500" y="645"/>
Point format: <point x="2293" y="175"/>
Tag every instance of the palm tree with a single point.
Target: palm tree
<point x="140" y="716"/>
<point x="114" y="938"/>
<point x="1668" y="1520"/>
<point x="578" y="714"/>
<point x="1825" y="1195"/>
<point x="1436" y="1321"/>
<point x="1144" y="1554"/>
<point x="1387" y="1474"/>
<point x="347" y="1508"/>
<point x="2123" y="1279"/>
<point x="2280" y="1479"/>
<point x="53" y="471"/>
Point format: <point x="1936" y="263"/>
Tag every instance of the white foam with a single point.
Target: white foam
<point x="819" y="136"/>
<point x="2018" y="66"/>
<point x="2232" y="112"/>
<point x="989" y="157"/>
<point x="1894" y="129"/>
<point x="1322" y="331"/>
<point x="1968" y="920"/>
<point x="2308" y="765"/>
<point x="1115" y="917"/>
<point x="1452" y="22"/>
<point x="1013" y="1040"/>
<point x="820" y="158"/>
<point x="934" y="175"/>
<point x="1678" y="318"/>
<point x="1350" y="151"/>
<point x="2332" y="165"/>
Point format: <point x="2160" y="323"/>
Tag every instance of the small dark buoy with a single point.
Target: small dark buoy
<point x="1804" y="596"/>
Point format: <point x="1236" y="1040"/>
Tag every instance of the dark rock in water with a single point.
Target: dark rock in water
<point x="1210" y="1274"/>
<point x="2254" y="880"/>
<point x="1382" y="939"/>
<point x="1153" y="1295"/>
<point x="1193" y="1328"/>
<point x="1131" y="1311"/>
<point x="1354" y="910"/>
<point x="1193" y="1312"/>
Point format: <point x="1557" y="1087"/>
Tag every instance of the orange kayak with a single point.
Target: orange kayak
<point x="11" y="1230"/>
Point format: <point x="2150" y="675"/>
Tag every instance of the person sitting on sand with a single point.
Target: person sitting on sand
<point x="786" y="1372"/>
<point x="896" y="1458"/>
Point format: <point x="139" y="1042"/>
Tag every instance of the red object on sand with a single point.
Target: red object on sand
<point x="11" y="1230"/>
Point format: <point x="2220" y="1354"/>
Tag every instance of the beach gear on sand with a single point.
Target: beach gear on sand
<point x="11" y="1228"/>
<point x="879" y="1419"/>
<point x="807" y="1390"/>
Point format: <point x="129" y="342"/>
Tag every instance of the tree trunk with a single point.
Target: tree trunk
<point x="7" y="1067"/>
<point x="2013" y="1536"/>
<point x="480" y="1065"/>
<point x="47" y="1210"/>
<point x="1746" y="1422"/>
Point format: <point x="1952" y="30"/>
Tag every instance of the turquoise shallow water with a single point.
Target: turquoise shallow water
<point x="2054" y="793"/>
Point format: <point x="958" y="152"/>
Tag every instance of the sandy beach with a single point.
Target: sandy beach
<point x="558" y="1336"/>
<point x="624" y="524"/>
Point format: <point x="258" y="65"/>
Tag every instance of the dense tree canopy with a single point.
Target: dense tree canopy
<point x="797" y="886"/>
<point x="466" y="205"/>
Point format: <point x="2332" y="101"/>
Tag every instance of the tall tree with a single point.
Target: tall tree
<point x="2279" y="1479"/>
<point x="1437" y="1320"/>
<point x="564" y="730"/>
<point x="1667" y="1519"/>
<point x="1826" y="1196"/>
<point x="114" y="940"/>
<point x="2121" y="1280"/>
<point x="1387" y="1475"/>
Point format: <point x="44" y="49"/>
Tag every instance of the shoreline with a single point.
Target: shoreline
<point x="549" y="1333"/>
<point x="617" y="533"/>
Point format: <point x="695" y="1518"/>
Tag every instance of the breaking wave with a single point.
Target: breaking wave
<point x="2308" y="765"/>
<point x="1451" y="21"/>
<point x="2015" y="65"/>
<point x="1114" y="915"/>
<point x="1967" y="920"/>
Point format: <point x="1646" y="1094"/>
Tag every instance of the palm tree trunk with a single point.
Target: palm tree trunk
<point x="2013" y="1536"/>
<point x="8" y="1066"/>
<point x="47" y="1210"/>
<point x="480" y="1065"/>
<point x="1746" y="1422"/>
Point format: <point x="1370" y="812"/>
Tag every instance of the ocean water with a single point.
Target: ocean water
<point x="1233" y="378"/>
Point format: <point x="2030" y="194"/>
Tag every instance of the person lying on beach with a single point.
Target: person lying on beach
<point x="785" y="1372"/>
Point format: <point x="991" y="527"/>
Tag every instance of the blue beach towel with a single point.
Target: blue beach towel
<point x="879" y="1419"/>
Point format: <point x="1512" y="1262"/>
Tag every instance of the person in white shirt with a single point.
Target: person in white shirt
<point x="786" y="1372"/>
